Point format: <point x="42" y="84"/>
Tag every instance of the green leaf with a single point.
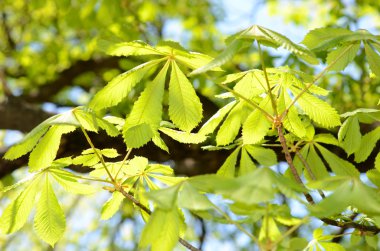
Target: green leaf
<point x="292" y="122"/>
<point x="138" y="135"/>
<point x="16" y="213"/>
<point x="214" y="121"/>
<point x="374" y="176"/>
<point x="112" y="205"/>
<point x="45" y="152"/>
<point x="70" y="183"/>
<point x="367" y="145"/>
<point x="109" y="152"/>
<point x="194" y="60"/>
<point x="326" y="138"/>
<point x="373" y="59"/>
<point x="222" y="58"/>
<point x="287" y="44"/>
<point x="349" y="135"/>
<point x="231" y="125"/>
<point x="351" y="192"/>
<point x="158" y="237"/>
<point x="191" y="199"/>
<point x="157" y="140"/>
<point x="367" y="116"/>
<point x="333" y="204"/>
<point x="265" y="156"/>
<point x="86" y="120"/>
<point x="317" y="109"/>
<point x="246" y="163"/>
<point x="185" y="108"/>
<point x="86" y="160"/>
<point x="269" y="230"/>
<point x="338" y="59"/>
<point x="17" y="184"/>
<point x="338" y="165"/>
<point x="165" y="198"/>
<point x="134" y="48"/>
<point x="316" y="164"/>
<point x="146" y="110"/>
<point x="49" y="222"/>
<point x="377" y="162"/>
<point x="119" y="87"/>
<point x="184" y="137"/>
<point x="29" y="141"/>
<point x="228" y="167"/>
<point x="255" y="127"/>
<point x="325" y="38"/>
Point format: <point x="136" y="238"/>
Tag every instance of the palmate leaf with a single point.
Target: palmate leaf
<point x="90" y="121"/>
<point x="185" y="108"/>
<point x="269" y="230"/>
<point x="368" y="143"/>
<point x="364" y="115"/>
<point x="259" y="186"/>
<point x="29" y="141"/>
<point x="49" y="221"/>
<point x="349" y="135"/>
<point x="166" y="198"/>
<point x="287" y="44"/>
<point x="316" y="164"/>
<point x="222" y="58"/>
<point x="350" y="192"/>
<point x="146" y="113"/>
<point x="158" y="237"/>
<point x="252" y="84"/>
<point x="326" y="138"/>
<point x="266" y="157"/>
<point x="16" y="213"/>
<point x="292" y="122"/>
<point x="70" y="183"/>
<point x="317" y="109"/>
<point x="134" y="48"/>
<point x="255" y="127"/>
<point x="45" y="152"/>
<point x="112" y="205"/>
<point x="231" y="125"/>
<point x="338" y="165"/>
<point x="377" y="162"/>
<point x="338" y="59"/>
<point x="326" y="38"/>
<point x="119" y="87"/>
<point x="262" y="35"/>
<point x="373" y="58"/>
<point x="246" y="163"/>
<point x="228" y="167"/>
<point x="184" y="137"/>
<point x="211" y="124"/>
<point x="191" y="199"/>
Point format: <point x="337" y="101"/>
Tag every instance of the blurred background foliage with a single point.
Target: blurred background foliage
<point x="50" y="59"/>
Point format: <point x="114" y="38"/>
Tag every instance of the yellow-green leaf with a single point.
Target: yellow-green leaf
<point x="49" y="222"/>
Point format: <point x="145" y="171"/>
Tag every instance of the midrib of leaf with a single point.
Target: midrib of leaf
<point x="142" y="116"/>
<point x="178" y="102"/>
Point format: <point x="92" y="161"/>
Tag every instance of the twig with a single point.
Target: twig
<point x="290" y="162"/>
<point x="123" y="162"/>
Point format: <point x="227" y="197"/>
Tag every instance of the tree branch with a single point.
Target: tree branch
<point x="67" y="77"/>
